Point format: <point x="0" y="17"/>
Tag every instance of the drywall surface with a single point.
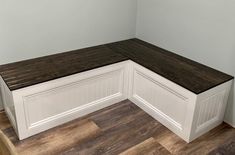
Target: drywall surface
<point x="202" y="30"/>
<point x="36" y="28"/>
<point x="31" y="29"/>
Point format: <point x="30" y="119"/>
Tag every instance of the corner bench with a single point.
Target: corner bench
<point x="185" y="96"/>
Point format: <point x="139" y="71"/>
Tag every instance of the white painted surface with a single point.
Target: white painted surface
<point x="210" y="109"/>
<point x="35" y="28"/>
<point x="46" y="105"/>
<point x="167" y="102"/>
<point x="8" y="103"/>
<point x="1" y="104"/>
<point x="201" y="30"/>
<point x="186" y="114"/>
<point x="40" y="107"/>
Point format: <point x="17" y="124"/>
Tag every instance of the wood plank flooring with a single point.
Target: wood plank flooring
<point x="121" y="129"/>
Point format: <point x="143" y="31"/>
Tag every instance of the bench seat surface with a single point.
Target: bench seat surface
<point x="34" y="71"/>
<point x="187" y="73"/>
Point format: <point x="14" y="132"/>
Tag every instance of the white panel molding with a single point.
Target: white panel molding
<point x="46" y="105"/>
<point x="73" y="111"/>
<point x="210" y="109"/>
<point x="186" y="114"/>
<point x="37" y="108"/>
<point x="169" y="103"/>
<point x="78" y="96"/>
<point x="177" y="94"/>
<point x="158" y="112"/>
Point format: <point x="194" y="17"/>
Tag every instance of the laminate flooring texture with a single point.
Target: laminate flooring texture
<point x="122" y="129"/>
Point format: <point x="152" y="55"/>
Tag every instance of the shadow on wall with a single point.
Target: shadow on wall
<point x="230" y="113"/>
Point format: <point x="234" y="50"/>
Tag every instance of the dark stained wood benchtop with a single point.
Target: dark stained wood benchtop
<point x="182" y="71"/>
<point x="34" y="71"/>
<point x="187" y="73"/>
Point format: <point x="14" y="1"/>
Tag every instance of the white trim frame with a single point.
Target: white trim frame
<point x="49" y="104"/>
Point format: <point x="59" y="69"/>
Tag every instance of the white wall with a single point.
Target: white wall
<point x="203" y="30"/>
<point x="30" y="28"/>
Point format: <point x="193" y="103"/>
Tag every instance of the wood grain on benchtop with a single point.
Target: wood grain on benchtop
<point x="34" y="71"/>
<point x="184" y="72"/>
<point x="187" y="73"/>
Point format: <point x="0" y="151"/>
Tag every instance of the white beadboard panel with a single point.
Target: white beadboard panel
<point x="167" y="102"/>
<point x="47" y="105"/>
<point x="164" y="99"/>
<point x="187" y="114"/>
<point x="8" y="103"/>
<point x="210" y="109"/>
<point x="78" y="95"/>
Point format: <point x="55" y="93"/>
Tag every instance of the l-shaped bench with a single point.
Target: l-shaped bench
<point x="185" y="96"/>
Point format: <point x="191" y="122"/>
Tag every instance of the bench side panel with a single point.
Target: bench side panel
<point x="8" y="103"/>
<point x="53" y="103"/>
<point x="167" y="102"/>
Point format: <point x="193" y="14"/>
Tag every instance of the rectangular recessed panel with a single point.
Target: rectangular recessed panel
<point x="209" y="110"/>
<point x="167" y="102"/>
<point x="51" y="103"/>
